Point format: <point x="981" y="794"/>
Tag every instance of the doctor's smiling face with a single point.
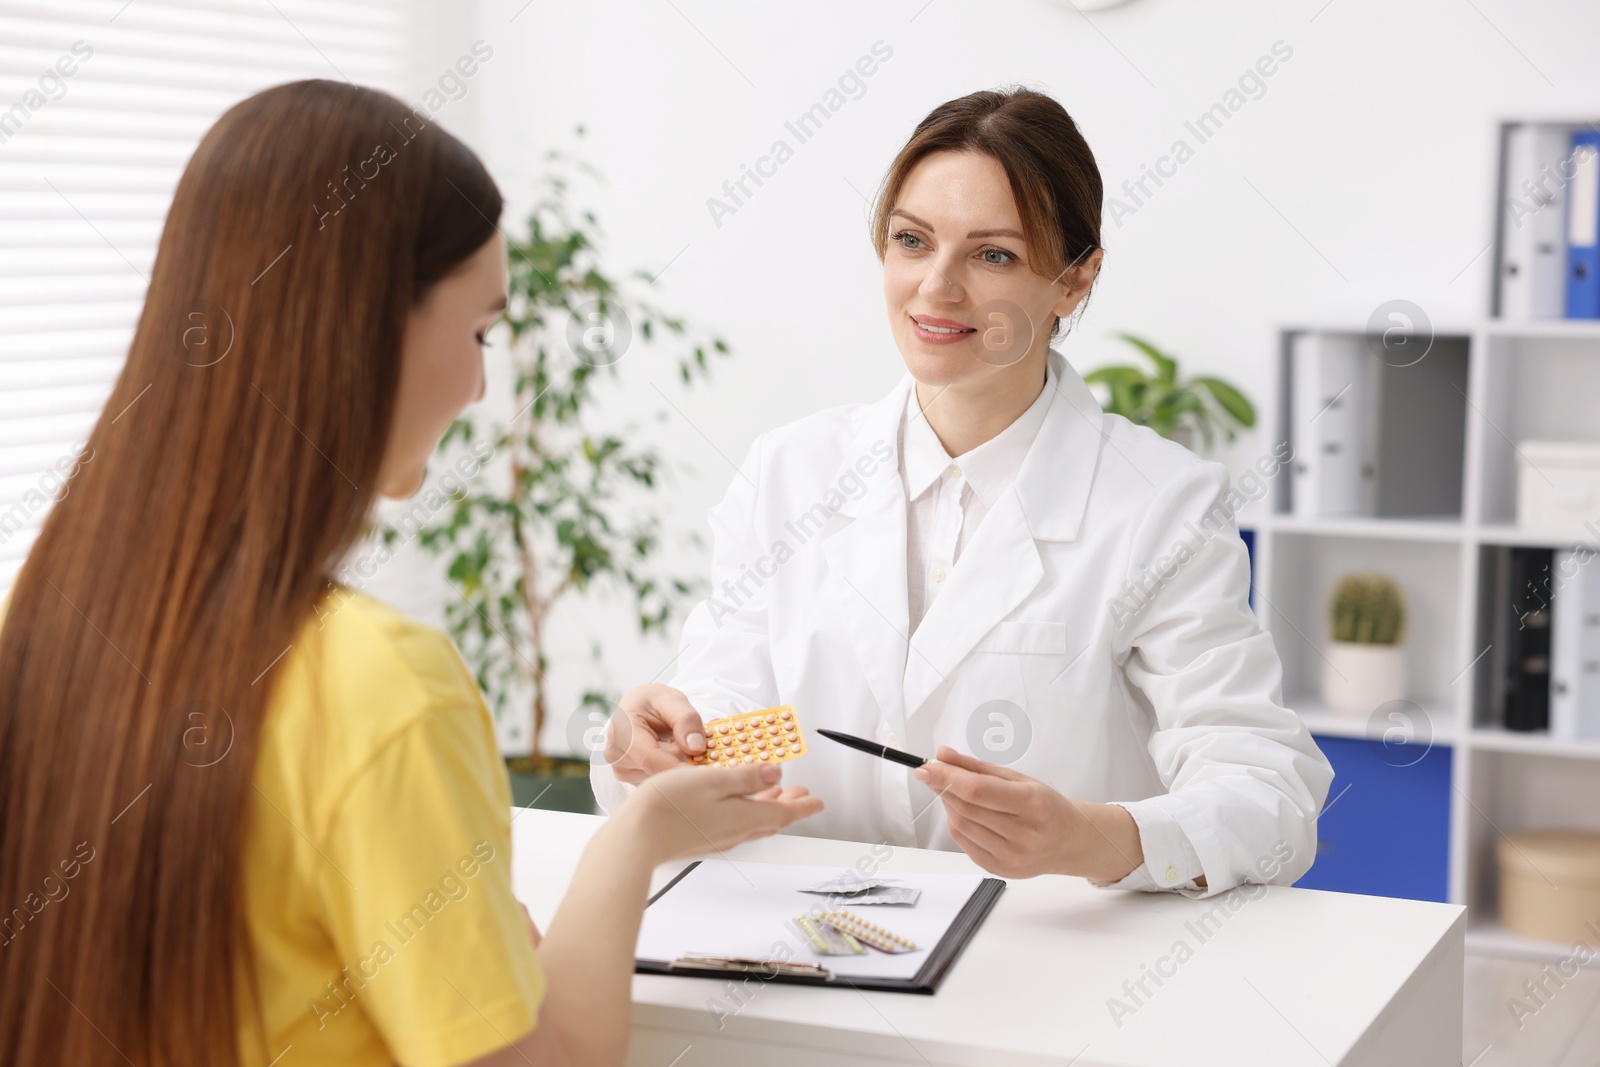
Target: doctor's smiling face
<point x="958" y="269"/>
<point x="988" y="228"/>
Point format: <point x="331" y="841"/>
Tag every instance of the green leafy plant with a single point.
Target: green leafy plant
<point x="567" y="517"/>
<point x="1165" y="402"/>
<point x="1367" y="609"/>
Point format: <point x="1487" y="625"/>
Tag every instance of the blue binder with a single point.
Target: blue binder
<point x="1583" y="228"/>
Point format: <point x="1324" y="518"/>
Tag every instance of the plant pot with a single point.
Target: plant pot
<point x="1357" y="679"/>
<point x="554" y="784"/>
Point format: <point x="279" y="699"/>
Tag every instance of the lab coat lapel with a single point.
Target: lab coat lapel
<point x="867" y="558"/>
<point x="997" y="570"/>
<point x="1001" y="565"/>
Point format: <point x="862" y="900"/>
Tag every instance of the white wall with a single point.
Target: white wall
<point x="1362" y="173"/>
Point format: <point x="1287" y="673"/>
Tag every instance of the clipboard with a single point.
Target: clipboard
<point x="803" y="969"/>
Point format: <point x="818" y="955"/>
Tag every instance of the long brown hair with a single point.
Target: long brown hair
<point x="1054" y="178"/>
<point x="232" y="469"/>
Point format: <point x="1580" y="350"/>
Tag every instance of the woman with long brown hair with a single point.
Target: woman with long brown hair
<point x="247" y="814"/>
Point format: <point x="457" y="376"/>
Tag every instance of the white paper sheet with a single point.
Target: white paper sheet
<point x="738" y="908"/>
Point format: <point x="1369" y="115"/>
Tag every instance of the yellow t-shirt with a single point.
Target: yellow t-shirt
<point x="378" y="859"/>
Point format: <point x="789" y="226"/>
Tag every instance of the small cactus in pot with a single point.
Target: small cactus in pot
<point x="1364" y="666"/>
<point x="1367" y="609"/>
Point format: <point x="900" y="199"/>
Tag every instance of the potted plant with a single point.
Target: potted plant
<point x="1364" y="667"/>
<point x="1172" y="406"/>
<point x="568" y="510"/>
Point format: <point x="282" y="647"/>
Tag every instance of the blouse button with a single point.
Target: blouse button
<point x="938" y="574"/>
<point x="1172" y="875"/>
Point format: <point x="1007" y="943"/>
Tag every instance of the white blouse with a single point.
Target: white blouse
<point x="947" y="499"/>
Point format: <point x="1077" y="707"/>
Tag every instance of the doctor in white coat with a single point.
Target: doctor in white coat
<point x="986" y="568"/>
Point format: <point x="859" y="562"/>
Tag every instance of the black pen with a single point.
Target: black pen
<point x="873" y="748"/>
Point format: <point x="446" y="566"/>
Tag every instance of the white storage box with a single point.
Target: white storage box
<point x="1558" y="488"/>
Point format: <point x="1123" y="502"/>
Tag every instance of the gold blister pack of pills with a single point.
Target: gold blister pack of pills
<point x="869" y="932"/>
<point x="771" y="735"/>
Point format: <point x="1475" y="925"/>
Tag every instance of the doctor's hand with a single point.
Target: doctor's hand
<point x="1016" y="827"/>
<point x="654" y="729"/>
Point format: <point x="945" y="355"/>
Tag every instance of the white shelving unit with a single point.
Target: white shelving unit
<point x="1533" y="379"/>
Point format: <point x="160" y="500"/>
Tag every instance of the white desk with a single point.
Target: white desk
<point x="1292" y="977"/>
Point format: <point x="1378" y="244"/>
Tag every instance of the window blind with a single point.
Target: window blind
<point x="101" y="104"/>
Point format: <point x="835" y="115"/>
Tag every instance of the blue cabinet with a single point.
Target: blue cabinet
<point x="1248" y="535"/>
<point x="1385" y="828"/>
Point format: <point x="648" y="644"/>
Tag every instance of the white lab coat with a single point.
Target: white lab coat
<point x="1105" y="595"/>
